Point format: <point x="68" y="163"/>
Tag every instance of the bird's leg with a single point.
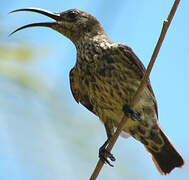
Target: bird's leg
<point x="129" y="112"/>
<point x="104" y="154"/>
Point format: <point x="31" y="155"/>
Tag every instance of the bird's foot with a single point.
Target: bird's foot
<point x="131" y="113"/>
<point x="104" y="154"/>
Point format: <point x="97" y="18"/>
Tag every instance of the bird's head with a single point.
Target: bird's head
<point x="74" y="23"/>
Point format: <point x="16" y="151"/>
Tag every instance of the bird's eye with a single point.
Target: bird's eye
<point x="73" y="14"/>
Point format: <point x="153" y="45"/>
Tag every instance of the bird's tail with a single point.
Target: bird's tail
<point x="168" y="158"/>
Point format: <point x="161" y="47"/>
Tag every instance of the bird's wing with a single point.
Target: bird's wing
<point x="128" y="54"/>
<point x="73" y="86"/>
<point x="79" y="95"/>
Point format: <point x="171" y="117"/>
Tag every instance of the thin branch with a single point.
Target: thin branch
<point x="142" y="85"/>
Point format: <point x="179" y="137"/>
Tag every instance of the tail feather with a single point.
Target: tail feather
<point x="168" y="158"/>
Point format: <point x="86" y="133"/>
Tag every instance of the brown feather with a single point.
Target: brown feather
<point x="168" y="158"/>
<point x="139" y="67"/>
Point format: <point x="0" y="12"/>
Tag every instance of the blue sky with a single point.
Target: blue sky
<point x="36" y="143"/>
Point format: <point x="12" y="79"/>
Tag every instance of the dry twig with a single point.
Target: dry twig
<point x="141" y="87"/>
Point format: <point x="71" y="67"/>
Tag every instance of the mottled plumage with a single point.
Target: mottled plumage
<point x="104" y="82"/>
<point x="105" y="78"/>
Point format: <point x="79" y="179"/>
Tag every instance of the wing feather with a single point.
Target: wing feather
<point x="128" y="53"/>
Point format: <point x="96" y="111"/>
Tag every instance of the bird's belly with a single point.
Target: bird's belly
<point x="108" y="93"/>
<point x="145" y="130"/>
<point x="108" y="99"/>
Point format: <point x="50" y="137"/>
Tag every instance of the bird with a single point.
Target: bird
<point x="105" y="78"/>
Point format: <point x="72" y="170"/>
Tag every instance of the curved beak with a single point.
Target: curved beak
<point x="55" y="16"/>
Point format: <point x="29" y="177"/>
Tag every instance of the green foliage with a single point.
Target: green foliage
<point x="15" y="62"/>
<point x="22" y="53"/>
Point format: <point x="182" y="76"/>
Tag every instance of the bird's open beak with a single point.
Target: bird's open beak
<point x="55" y="16"/>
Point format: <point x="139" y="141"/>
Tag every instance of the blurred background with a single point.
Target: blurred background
<point x="44" y="133"/>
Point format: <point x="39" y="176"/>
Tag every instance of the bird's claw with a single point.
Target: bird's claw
<point x="104" y="154"/>
<point x="131" y="113"/>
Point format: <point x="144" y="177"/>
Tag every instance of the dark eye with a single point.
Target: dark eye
<point x="73" y="14"/>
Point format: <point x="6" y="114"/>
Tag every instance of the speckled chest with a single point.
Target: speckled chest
<point x="103" y="77"/>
